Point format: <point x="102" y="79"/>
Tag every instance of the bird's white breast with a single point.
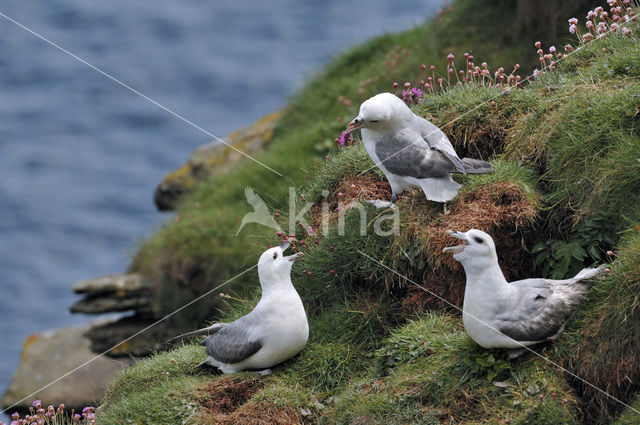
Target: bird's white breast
<point x="284" y="330"/>
<point x="485" y="297"/>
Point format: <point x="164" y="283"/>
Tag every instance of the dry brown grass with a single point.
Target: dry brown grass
<point x="229" y="401"/>
<point x="501" y="209"/>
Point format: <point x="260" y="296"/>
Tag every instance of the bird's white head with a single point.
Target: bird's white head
<point x="274" y="267"/>
<point x="476" y="251"/>
<point x="382" y="112"/>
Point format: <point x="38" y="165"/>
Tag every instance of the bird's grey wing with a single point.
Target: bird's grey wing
<point x="534" y="314"/>
<point x="404" y="153"/>
<point x="436" y="139"/>
<point x="232" y="343"/>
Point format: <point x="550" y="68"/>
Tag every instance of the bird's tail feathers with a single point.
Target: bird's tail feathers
<point x="590" y="273"/>
<point x="477" y="166"/>
<point x="210" y="330"/>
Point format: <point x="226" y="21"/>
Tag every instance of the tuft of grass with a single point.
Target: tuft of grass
<point x="629" y="416"/>
<point x="160" y="370"/>
<point x="602" y="344"/>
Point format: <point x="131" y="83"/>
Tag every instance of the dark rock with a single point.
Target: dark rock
<point x="106" y="337"/>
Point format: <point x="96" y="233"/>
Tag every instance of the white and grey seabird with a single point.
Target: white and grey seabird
<point x="411" y="151"/>
<point x="501" y="314"/>
<point x="274" y="331"/>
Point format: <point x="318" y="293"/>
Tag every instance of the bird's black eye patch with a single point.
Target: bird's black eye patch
<point x="477" y="239"/>
<point x="275" y="255"/>
<point x="375" y="120"/>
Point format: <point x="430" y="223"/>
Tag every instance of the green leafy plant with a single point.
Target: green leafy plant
<point x="558" y="259"/>
<point x="486" y="363"/>
<point x="400" y="351"/>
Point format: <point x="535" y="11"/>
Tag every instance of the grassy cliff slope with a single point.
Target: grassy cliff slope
<point x="384" y="347"/>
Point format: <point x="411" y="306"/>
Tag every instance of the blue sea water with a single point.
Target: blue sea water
<point x="80" y="155"/>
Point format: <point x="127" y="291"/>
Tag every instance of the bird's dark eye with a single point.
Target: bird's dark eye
<point x="477" y="239"/>
<point x="275" y="255"/>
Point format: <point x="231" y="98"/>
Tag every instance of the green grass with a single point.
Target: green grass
<point x="565" y="151"/>
<point x="422" y="374"/>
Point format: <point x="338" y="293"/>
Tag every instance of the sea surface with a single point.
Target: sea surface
<point x="80" y="155"/>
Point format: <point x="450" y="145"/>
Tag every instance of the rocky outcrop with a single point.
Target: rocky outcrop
<point x="117" y="293"/>
<point x="213" y="158"/>
<point x="49" y="355"/>
<point x="114" y="293"/>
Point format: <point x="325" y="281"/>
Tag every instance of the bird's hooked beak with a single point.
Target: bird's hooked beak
<point x="358" y="122"/>
<point x="458" y="248"/>
<point x="284" y="247"/>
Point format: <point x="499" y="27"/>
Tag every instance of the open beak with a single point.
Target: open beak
<point x="284" y="247"/>
<point x="458" y="248"/>
<point x="355" y="124"/>
<point x="292" y="257"/>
